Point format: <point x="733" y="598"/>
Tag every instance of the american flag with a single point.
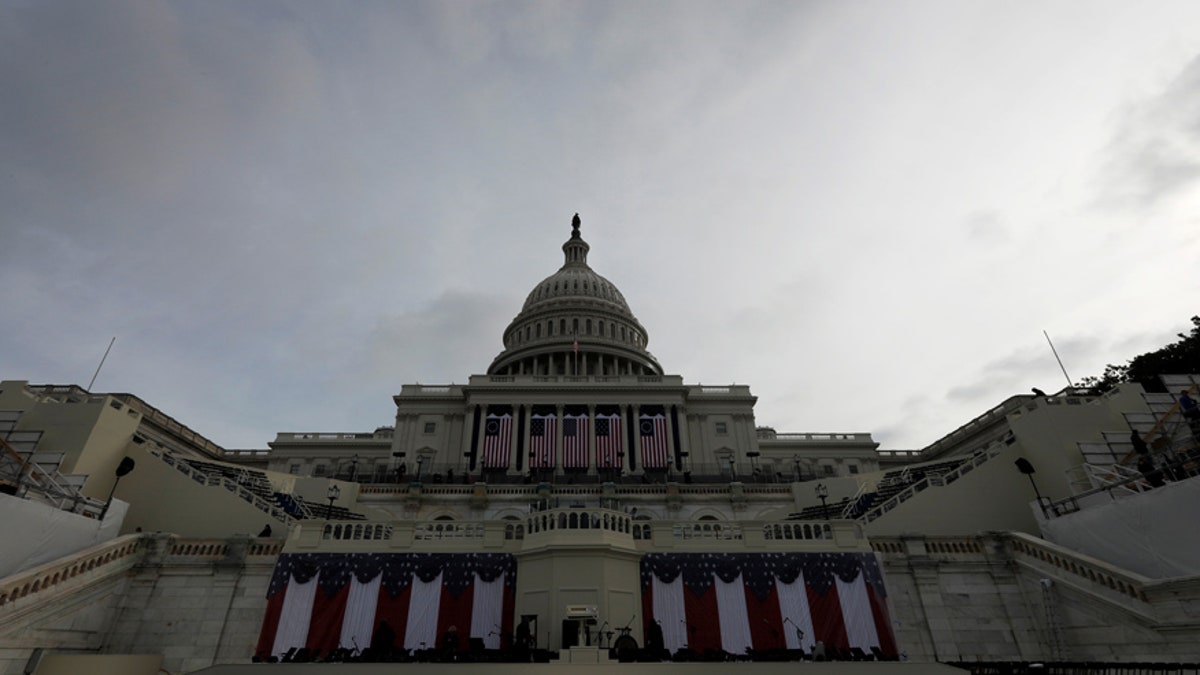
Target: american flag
<point x="542" y="434"/>
<point x="653" y="429"/>
<point x="764" y="601"/>
<point x="575" y="441"/>
<point x="324" y="601"/>
<point x="497" y="440"/>
<point x="608" y="441"/>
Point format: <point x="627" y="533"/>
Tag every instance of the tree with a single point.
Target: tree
<point x="1178" y="357"/>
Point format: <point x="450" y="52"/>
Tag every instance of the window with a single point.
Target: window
<point x="430" y="427"/>
<point x="294" y="469"/>
<point x="853" y="468"/>
<point x="829" y="470"/>
<point x="722" y="428"/>
<point x="319" y="470"/>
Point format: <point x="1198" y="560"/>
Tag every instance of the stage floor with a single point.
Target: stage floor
<point x="747" y="668"/>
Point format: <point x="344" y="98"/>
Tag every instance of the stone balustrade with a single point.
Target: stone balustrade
<point x="594" y="490"/>
<point x="1039" y="554"/>
<point x="579" y="526"/>
<point x="111" y="557"/>
<point x="117" y="556"/>
<point x="1027" y="549"/>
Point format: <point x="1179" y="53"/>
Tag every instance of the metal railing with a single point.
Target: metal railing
<point x="210" y="480"/>
<point x="934" y="480"/>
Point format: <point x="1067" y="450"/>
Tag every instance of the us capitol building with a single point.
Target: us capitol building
<point x="577" y="505"/>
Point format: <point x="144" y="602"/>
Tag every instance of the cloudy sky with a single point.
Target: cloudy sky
<point x="867" y="211"/>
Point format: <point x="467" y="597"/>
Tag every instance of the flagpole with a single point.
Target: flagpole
<point x="1056" y="358"/>
<point x="102" y="358"/>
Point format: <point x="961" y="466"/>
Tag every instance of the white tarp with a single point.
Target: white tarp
<point x="1152" y="533"/>
<point x="34" y="533"/>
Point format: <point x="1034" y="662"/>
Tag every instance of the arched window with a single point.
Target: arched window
<point x="589" y="326"/>
<point x="538" y="330"/>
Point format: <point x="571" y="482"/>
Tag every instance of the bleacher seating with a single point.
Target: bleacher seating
<point x="889" y="485"/>
<point x="253" y="480"/>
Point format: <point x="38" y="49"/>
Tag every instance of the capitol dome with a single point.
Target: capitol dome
<point x="575" y="322"/>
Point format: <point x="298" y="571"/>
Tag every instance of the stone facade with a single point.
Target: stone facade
<point x="195" y="602"/>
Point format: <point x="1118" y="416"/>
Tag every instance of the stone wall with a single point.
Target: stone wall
<point x="196" y="602"/>
<point x="1013" y="597"/>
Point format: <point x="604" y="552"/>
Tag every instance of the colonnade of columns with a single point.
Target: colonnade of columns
<point x="568" y="363"/>
<point x="627" y="459"/>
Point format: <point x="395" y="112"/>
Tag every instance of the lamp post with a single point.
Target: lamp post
<point x="823" y="494"/>
<point x="732" y="470"/>
<point x="1026" y="468"/>
<point x="354" y="468"/>
<point x="123" y="468"/>
<point x="333" y="493"/>
<point x="420" y="463"/>
<point x="796" y="461"/>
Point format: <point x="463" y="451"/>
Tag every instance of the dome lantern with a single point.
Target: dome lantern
<point x="575" y="322"/>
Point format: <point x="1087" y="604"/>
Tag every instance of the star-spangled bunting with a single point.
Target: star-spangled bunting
<point x="458" y="570"/>
<point x="742" y="602"/>
<point x="759" y="570"/>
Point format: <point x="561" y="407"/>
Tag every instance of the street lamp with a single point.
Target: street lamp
<point x="123" y="469"/>
<point x="354" y="468"/>
<point x="796" y="461"/>
<point x="732" y="470"/>
<point x="1026" y="468"/>
<point x="333" y="493"/>
<point x="420" y="463"/>
<point x="823" y="494"/>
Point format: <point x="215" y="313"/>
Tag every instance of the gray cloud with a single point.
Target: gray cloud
<point x="1154" y="154"/>
<point x="275" y="206"/>
<point x="986" y="227"/>
<point x="456" y="334"/>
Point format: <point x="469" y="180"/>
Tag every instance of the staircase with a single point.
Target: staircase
<point x="919" y="478"/>
<point x="267" y="504"/>
<point x="1171" y="439"/>
<point x="29" y="473"/>
<point x="252" y="486"/>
